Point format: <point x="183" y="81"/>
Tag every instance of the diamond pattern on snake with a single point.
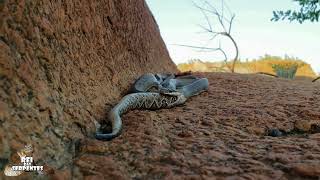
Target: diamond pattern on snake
<point x="154" y="91"/>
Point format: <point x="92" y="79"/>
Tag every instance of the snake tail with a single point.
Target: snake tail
<point x="151" y="101"/>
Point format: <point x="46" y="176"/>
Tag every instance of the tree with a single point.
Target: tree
<point x="309" y="10"/>
<point x="225" y="19"/>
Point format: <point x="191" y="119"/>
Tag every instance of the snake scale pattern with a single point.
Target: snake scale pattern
<point x="151" y="101"/>
<point x="152" y="92"/>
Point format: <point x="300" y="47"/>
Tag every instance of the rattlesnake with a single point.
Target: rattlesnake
<point x="154" y="92"/>
<point x="132" y="101"/>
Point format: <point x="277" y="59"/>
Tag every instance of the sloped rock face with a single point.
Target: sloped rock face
<point x="219" y="134"/>
<point x="63" y="64"/>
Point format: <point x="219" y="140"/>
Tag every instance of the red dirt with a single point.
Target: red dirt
<point x="217" y="134"/>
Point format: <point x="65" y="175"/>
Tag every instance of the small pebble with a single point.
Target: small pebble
<point x="275" y="133"/>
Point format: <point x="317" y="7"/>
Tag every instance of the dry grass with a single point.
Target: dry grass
<point x="264" y="64"/>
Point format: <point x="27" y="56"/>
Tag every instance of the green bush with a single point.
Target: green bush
<point x="285" y="70"/>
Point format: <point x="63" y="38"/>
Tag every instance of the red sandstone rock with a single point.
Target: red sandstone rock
<point x="65" y="64"/>
<point x="307" y="170"/>
<point x="62" y="63"/>
<point x="228" y="133"/>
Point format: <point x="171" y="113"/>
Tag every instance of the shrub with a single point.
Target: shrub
<point x="286" y="70"/>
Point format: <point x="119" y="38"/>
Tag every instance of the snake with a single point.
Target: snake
<point x="152" y="92"/>
<point x="151" y="101"/>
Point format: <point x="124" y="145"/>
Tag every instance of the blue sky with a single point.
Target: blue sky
<point x="255" y="34"/>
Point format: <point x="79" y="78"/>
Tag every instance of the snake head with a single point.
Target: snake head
<point x="177" y="98"/>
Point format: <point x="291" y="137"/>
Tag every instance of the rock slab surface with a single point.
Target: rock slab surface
<point x="64" y="64"/>
<point x="219" y="134"/>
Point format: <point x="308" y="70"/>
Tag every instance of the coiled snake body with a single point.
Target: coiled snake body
<point x="154" y="92"/>
<point x="132" y="101"/>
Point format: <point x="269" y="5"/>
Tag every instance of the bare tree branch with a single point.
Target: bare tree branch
<point x="226" y="26"/>
<point x="213" y="11"/>
<point x="197" y="47"/>
<point x="219" y="16"/>
<point x="230" y="23"/>
<point x="206" y="29"/>
<point x="316" y="79"/>
<point x="213" y="37"/>
<point x="207" y="19"/>
<point x="222" y="8"/>
<point x="269" y="74"/>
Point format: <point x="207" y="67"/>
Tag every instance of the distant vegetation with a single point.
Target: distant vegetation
<point x="267" y="64"/>
<point x="286" y="70"/>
